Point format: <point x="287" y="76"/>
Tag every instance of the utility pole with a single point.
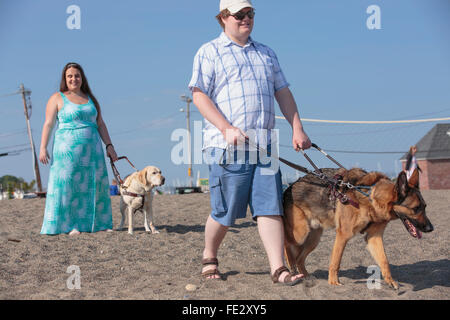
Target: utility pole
<point x="26" y="96"/>
<point x="188" y="100"/>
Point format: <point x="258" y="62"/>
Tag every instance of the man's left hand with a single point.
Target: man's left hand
<point x="300" y="140"/>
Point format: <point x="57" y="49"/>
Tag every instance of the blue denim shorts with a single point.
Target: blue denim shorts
<point x="240" y="179"/>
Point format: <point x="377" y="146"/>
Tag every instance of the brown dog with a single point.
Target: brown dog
<point x="308" y="210"/>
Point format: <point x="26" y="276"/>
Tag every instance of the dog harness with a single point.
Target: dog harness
<point x="122" y="186"/>
<point x="333" y="183"/>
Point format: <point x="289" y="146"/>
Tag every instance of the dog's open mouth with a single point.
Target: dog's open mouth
<point x="411" y="228"/>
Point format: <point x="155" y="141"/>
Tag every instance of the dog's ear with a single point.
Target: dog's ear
<point x="142" y="177"/>
<point x="414" y="179"/>
<point x="402" y="185"/>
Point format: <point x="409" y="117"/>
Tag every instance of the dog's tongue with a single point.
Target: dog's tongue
<point x="413" y="230"/>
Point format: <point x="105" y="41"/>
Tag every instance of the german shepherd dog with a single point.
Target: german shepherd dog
<point x="308" y="210"/>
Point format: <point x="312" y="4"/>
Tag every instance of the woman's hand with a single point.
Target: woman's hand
<point x="110" y="152"/>
<point x="43" y="156"/>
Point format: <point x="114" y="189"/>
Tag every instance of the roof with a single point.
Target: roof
<point x="434" y="145"/>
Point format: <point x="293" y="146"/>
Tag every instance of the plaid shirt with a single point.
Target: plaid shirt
<point x="241" y="81"/>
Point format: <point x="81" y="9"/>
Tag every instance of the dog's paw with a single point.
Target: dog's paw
<point x="334" y="282"/>
<point x="393" y="284"/>
<point x="152" y="230"/>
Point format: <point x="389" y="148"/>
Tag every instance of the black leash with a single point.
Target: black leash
<point x="120" y="181"/>
<point x="333" y="183"/>
<point x="326" y="154"/>
<point x="316" y="169"/>
<point x="116" y="172"/>
<point x="348" y="185"/>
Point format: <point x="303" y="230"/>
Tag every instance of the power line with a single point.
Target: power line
<point x="9" y="94"/>
<point x="367" y="132"/>
<point x="13" y="146"/>
<point x="13" y="133"/>
<point x="143" y="126"/>
<point x="348" y="151"/>
<point x="367" y="152"/>
<point x="14" y="152"/>
<point x="369" y="122"/>
<point x="429" y="113"/>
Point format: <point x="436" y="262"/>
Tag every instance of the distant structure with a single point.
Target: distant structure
<point x="433" y="157"/>
<point x="203" y="184"/>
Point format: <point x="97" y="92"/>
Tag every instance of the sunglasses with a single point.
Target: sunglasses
<point x="240" y="15"/>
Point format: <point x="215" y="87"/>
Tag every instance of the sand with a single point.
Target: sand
<point x="116" y="265"/>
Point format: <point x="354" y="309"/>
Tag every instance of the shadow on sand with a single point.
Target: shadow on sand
<point x="421" y="275"/>
<point x="183" y="229"/>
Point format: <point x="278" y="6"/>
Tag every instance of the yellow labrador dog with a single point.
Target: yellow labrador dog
<point x="135" y="194"/>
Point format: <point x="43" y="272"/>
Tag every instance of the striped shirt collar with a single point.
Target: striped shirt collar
<point x="225" y="41"/>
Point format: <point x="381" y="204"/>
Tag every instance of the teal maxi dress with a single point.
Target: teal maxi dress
<point x="78" y="186"/>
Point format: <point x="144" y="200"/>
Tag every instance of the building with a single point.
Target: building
<point x="433" y="157"/>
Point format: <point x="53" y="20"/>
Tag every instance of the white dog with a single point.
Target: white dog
<point x="135" y="194"/>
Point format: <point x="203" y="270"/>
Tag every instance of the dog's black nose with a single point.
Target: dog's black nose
<point x="163" y="179"/>
<point x="429" y="227"/>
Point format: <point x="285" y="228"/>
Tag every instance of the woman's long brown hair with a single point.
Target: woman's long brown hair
<point x="84" y="83"/>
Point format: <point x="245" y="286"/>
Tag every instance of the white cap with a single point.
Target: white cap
<point x="235" y="5"/>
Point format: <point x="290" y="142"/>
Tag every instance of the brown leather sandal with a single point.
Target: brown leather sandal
<point x="212" y="272"/>
<point x="287" y="280"/>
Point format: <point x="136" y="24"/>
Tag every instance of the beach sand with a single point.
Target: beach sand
<point x="116" y="265"/>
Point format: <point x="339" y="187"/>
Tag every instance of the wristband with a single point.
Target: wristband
<point x="109" y="144"/>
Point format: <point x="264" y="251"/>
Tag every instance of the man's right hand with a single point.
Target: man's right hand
<point x="234" y="136"/>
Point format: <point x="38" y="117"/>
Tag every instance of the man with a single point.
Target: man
<point x="234" y="82"/>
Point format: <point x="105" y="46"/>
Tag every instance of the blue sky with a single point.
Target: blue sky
<point x="138" y="58"/>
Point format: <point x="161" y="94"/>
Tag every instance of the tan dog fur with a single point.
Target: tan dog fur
<point x="308" y="210"/>
<point x="141" y="182"/>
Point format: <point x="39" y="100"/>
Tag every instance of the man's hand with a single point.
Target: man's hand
<point x="300" y="140"/>
<point x="234" y="136"/>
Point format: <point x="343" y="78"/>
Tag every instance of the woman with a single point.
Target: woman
<point x="77" y="194"/>
<point x="411" y="162"/>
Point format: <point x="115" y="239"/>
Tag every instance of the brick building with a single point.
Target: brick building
<point x="433" y="157"/>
